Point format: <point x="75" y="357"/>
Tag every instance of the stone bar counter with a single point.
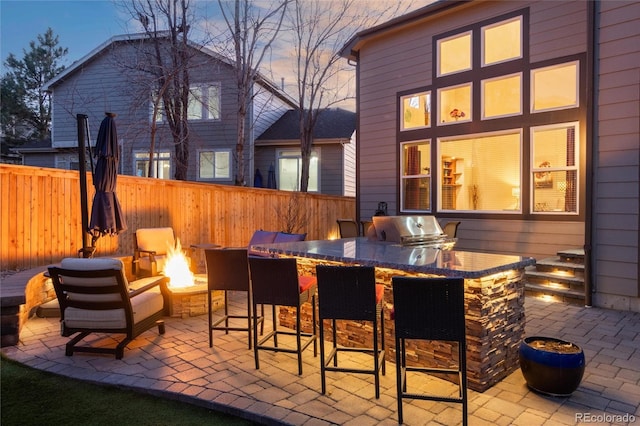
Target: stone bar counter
<point x="494" y="298"/>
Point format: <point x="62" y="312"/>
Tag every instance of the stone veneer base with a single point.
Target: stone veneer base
<point x="495" y="321"/>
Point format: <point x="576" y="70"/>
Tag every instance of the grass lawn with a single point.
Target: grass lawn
<point x="33" y="397"/>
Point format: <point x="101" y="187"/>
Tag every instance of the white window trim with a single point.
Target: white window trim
<point x="417" y="94"/>
<point x="298" y="154"/>
<point x="468" y="114"/>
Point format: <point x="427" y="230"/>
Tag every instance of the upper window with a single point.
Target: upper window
<point x="502" y="41"/>
<point x="416" y="176"/>
<point x="214" y="165"/>
<point x="502" y="96"/>
<point x="555" y="87"/>
<point x="204" y="103"/>
<point x="454" y="104"/>
<point x="454" y="54"/>
<point x="416" y="111"/>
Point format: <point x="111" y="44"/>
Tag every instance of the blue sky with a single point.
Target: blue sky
<point x="80" y="25"/>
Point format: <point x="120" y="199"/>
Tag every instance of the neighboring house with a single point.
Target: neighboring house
<point x="519" y="119"/>
<point x="107" y="80"/>
<point x="332" y="165"/>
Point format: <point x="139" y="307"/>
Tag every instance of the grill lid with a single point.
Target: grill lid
<point x="411" y="230"/>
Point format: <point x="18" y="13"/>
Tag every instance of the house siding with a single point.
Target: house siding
<point x="349" y="162"/>
<point x="107" y="82"/>
<point x="617" y="169"/>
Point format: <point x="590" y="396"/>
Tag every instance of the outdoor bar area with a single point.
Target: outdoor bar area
<point x="416" y="246"/>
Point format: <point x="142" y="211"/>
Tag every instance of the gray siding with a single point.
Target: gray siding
<point x="617" y="174"/>
<point x="349" y="161"/>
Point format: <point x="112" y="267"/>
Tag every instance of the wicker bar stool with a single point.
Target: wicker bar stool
<point x="276" y="282"/>
<point x="350" y="293"/>
<point x="429" y="309"/>
<point x="228" y="270"/>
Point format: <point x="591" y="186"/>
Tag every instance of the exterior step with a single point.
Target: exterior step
<point x="557" y="267"/>
<point x="559" y="278"/>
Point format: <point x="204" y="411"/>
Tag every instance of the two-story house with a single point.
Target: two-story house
<point x="518" y="119"/>
<point x="109" y="80"/>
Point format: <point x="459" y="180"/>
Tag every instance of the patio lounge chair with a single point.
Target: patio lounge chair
<point x="95" y="297"/>
<point x="150" y="249"/>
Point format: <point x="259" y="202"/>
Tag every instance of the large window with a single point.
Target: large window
<point x="481" y="173"/>
<point x="554" y="157"/>
<point x="290" y="171"/>
<point x="161" y="164"/>
<point x="214" y="165"/>
<point x="415" y="194"/>
<point x="509" y="156"/>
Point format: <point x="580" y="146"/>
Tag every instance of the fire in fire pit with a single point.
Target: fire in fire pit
<point x="177" y="268"/>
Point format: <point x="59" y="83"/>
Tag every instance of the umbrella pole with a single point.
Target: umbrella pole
<point x="86" y="250"/>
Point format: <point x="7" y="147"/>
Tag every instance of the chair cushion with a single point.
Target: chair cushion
<point x="144" y="305"/>
<point x="305" y="282"/>
<point x="155" y="239"/>
<point x="283" y="237"/>
<point x="379" y="292"/>
<point x="144" y="263"/>
<point x="94" y="264"/>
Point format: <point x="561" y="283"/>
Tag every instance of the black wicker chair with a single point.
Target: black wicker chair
<point x="429" y="309"/>
<point x="276" y="282"/>
<point x="350" y="293"/>
<point x="228" y="270"/>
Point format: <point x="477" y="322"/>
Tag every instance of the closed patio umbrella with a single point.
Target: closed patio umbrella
<point x="106" y="215"/>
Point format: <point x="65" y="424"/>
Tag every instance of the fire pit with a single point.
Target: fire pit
<point x="188" y="291"/>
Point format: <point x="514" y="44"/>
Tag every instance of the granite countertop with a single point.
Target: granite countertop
<point x="445" y="262"/>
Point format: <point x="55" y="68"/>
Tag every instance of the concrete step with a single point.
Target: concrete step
<point x="571" y="255"/>
<point x="555" y="265"/>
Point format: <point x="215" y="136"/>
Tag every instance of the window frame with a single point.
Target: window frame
<point x="214" y="151"/>
<point x="532" y="89"/>
<point x="160" y="157"/>
<point x="439" y="52"/>
<point x="483" y="46"/>
<point x="483" y="96"/>
<point x="295" y="153"/>
<point x="404" y="177"/>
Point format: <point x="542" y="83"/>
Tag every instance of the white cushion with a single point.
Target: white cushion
<point x="144" y="305"/>
<point x="93" y="264"/>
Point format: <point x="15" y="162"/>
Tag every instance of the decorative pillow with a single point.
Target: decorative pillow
<point x="262" y="237"/>
<point x="283" y="237"/>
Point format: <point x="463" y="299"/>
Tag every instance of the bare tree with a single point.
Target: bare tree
<point x="253" y="30"/>
<point x="167" y="24"/>
<point x="319" y="29"/>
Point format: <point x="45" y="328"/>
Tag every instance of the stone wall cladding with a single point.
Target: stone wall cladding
<point x="495" y="320"/>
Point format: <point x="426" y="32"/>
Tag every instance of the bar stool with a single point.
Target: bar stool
<point x="228" y="270"/>
<point x="350" y="293"/>
<point x="276" y="282"/>
<point x="429" y="309"/>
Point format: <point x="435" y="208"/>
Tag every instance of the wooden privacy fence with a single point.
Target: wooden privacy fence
<point x="42" y="222"/>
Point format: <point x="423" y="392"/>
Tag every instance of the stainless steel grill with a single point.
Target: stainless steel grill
<point x="412" y="231"/>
